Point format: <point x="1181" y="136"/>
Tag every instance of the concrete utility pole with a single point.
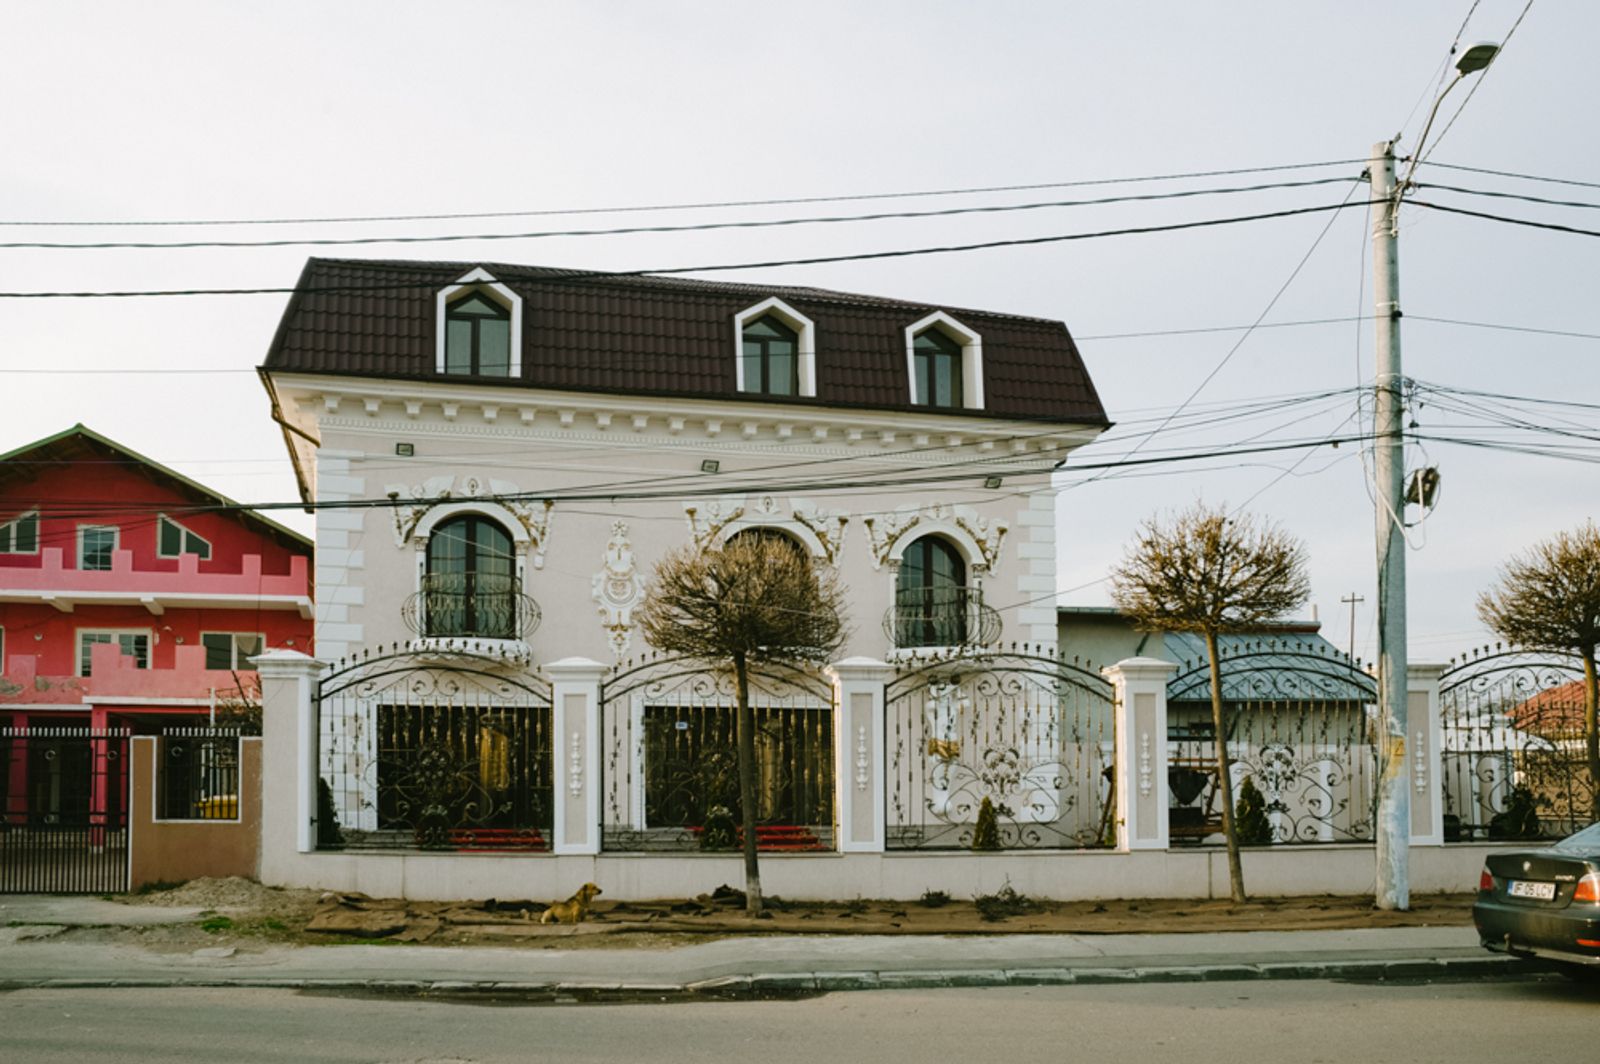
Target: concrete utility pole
<point x="1392" y="830"/>
<point x="1351" y="600"/>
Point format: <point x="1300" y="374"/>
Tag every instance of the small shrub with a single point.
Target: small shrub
<point x="986" y="833"/>
<point x="1254" y="827"/>
<point x="213" y="924"/>
<point x="935" y="899"/>
<point x="1003" y="903"/>
<point x="329" y="835"/>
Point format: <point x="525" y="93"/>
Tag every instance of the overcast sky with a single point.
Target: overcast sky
<point x="152" y="111"/>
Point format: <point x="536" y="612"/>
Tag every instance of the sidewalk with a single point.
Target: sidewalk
<point x="31" y="956"/>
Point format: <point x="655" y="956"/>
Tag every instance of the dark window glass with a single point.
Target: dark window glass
<point x="20" y="536"/>
<point x="176" y="540"/>
<point x="477" y="337"/>
<point x="230" y="650"/>
<point x="470" y="588"/>
<point x="171" y="538"/>
<point x="931" y="596"/>
<point x="936" y="360"/>
<point x="771" y="357"/>
<point x="96" y="545"/>
<point x="135" y="645"/>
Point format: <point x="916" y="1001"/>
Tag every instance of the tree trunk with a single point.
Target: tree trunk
<point x="747" y="787"/>
<point x="1230" y="828"/>
<point x="1591" y="734"/>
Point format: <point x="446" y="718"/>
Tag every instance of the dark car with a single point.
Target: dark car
<point x="1545" y="903"/>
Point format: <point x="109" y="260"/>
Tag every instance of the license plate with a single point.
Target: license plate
<point x="1521" y="888"/>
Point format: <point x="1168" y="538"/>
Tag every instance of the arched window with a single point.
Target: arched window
<point x="470" y="588"/>
<point x="931" y="595"/>
<point x="771" y="357"/>
<point x="774" y="536"/>
<point x="936" y="370"/>
<point x="477" y="337"/>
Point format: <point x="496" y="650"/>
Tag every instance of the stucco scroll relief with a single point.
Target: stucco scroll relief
<point x="710" y="518"/>
<point x="617" y="588"/>
<point x="532" y="514"/>
<point x="1145" y="778"/>
<point x="863" y="777"/>
<point x="575" y="769"/>
<point x="886" y="530"/>
<point x="1419" y="764"/>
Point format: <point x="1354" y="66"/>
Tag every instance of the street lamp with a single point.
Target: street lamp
<point x="1392" y="830"/>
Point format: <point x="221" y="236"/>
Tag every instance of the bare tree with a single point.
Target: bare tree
<point x="1206" y="572"/>
<point x="755" y="601"/>
<point x="1549" y="598"/>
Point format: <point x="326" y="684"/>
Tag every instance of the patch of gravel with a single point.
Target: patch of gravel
<point x="233" y="894"/>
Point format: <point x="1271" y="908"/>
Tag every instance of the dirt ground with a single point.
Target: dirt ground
<point x="239" y="912"/>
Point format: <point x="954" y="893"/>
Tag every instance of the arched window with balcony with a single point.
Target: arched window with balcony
<point x="470" y="587"/>
<point x="933" y="605"/>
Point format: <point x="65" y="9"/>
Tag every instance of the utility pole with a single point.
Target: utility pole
<point x="1352" y="599"/>
<point x="1392" y="830"/>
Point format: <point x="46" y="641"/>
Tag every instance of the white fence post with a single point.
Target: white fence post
<point x="1425" y="753"/>
<point x="858" y="776"/>
<point x="575" y="731"/>
<point x="288" y="738"/>
<point x="1141" y="711"/>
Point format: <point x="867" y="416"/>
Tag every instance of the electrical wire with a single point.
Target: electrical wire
<point x="1515" y="175"/>
<point x="1504" y="41"/>
<point x="1505" y="219"/>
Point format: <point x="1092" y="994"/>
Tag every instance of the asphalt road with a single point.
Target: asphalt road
<point x="1195" y="1023"/>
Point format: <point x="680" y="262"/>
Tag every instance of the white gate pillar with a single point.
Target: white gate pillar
<point x="1141" y="783"/>
<point x="288" y="738"/>
<point x="1426" y="755"/>
<point x="575" y="749"/>
<point x="858" y="776"/>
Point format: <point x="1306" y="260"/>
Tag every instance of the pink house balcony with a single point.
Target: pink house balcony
<point x="55" y="584"/>
<point x="115" y="679"/>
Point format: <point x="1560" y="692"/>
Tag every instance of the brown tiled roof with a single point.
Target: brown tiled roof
<point x="665" y="336"/>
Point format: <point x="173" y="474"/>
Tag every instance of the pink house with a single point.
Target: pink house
<point x="131" y="597"/>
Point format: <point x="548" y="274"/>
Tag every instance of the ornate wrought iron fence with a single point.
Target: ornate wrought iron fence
<point x="1028" y="733"/>
<point x="197" y="774"/>
<point x="471" y="606"/>
<point x="670" y="757"/>
<point x="1512" y="728"/>
<point x="444" y="751"/>
<point x="1300" y="719"/>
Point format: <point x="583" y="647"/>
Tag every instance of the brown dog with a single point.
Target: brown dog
<point x="572" y="911"/>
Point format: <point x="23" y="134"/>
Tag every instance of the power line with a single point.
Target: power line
<point x="696" y="227"/>
<point x="707" y="205"/>
<point x="593" y="276"/>
<point x="1515" y="175"/>
<point x="1496" y="194"/>
<point x="1506" y="219"/>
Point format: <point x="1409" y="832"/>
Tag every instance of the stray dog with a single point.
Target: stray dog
<point x="572" y="911"/>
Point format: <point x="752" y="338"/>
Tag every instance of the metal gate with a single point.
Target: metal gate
<point x="1299" y="717"/>
<point x="670" y="757"/>
<point x="447" y="750"/>
<point x="1512" y="744"/>
<point x="1029" y="736"/>
<point x="63" y="810"/>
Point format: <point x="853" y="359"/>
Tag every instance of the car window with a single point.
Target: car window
<point x="1587" y="839"/>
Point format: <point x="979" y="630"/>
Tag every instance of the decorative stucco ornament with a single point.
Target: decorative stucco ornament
<point x="617" y="588"/>
<point x="884" y="531"/>
<point x="707" y="517"/>
<point x="532" y="514"/>
<point x="827" y="525"/>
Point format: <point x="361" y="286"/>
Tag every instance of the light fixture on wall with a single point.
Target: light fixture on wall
<point x="991" y="482"/>
<point x="405" y="450"/>
<point x="710" y="465"/>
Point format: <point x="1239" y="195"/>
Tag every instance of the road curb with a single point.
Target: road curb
<point x="782" y="984"/>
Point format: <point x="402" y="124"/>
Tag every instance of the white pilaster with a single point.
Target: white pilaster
<point x="575" y="723"/>
<point x="859" y="781"/>
<point x="288" y="737"/>
<point x="1141" y="784"/>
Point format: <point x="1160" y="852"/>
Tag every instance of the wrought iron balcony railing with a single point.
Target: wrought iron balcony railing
<point x="471" y="605"/>
<point x="941" y="617"/>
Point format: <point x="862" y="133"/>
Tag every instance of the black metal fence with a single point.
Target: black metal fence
<point x="437" y="752"/>
<point x="1514" y="763"/>
<point x="1020" y="739"/>
<point x="63" y="810"/>
<point x="197" y="774"/>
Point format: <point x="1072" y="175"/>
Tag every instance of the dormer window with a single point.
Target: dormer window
<point x="172" y="539"/>
<point x="776" y="350"/>
<point x="944" y="361"/>
<point x="771" y="357"/>
<point x="477" y="337"/>
<point x="479" y="331"/>
<point x="936" y="377"/>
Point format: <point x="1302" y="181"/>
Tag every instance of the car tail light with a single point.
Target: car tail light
<point x="1588" y="888"/>
<point x="1485" y="880"/>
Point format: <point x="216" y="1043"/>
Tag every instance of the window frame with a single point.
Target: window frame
<point x="931" y="624"/>
<point x="478" y="281"/>
<point x="765" y="357"/>
<point x="971" y="345"/>
<point x="85" y="660"/>
<point x="805" y="347"/>
<point x="9" y="528"/>
<point x="234" y="655"/>
<point x="471" y="594"/>
<point x="185" y="533"/>
<point x="116" y="543"/>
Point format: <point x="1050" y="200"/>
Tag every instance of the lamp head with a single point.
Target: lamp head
<point x="1476" y="57"/>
